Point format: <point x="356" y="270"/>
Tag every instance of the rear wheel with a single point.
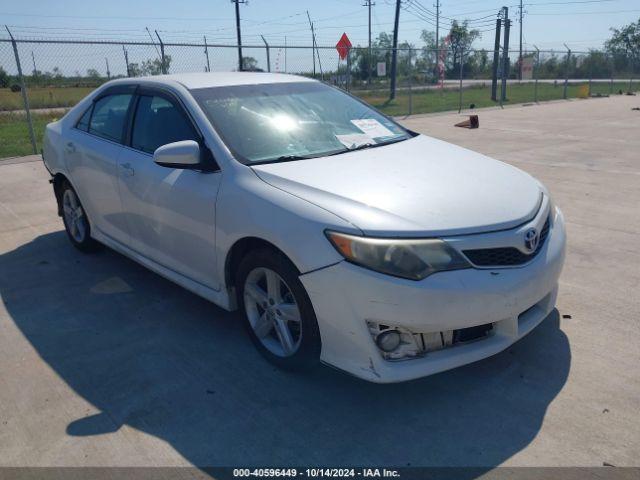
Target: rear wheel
<point x="76" y="222"/>
<point x="278" y="313"/>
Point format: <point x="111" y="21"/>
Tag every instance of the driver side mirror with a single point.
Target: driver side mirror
<point x="184" y="154"/>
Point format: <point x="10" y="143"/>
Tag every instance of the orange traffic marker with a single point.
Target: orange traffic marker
<point x="473" y="122"/>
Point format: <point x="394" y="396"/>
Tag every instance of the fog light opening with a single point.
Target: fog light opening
<point x="388" y="340"/>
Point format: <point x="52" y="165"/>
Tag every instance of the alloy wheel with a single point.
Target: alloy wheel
<point x="272" y="312"/>
<point x="74" y="216"/>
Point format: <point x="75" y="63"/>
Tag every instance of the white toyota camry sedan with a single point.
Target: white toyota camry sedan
<point x="341" y="236"/>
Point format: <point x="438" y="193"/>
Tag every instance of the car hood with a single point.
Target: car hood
<point x="421" y="186"/>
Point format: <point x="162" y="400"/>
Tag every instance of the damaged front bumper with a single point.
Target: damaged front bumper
<point x="446" y="320"/>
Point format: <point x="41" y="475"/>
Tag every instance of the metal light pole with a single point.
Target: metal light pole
<point x="535" y="85"/>
<point x="206" y="53"/>
<point x="163" y="67"/>
<point x="126" y="60"/>
<point x="23" y="91"/>
<point x="266" y="45"/>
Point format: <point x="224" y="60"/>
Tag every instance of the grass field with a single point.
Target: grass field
<point x="43" y="97"/>
<point x="429" y="101"/>
<point x="14" y="134"/>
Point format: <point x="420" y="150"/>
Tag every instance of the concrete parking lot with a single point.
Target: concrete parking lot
<point x="105" y="363"/>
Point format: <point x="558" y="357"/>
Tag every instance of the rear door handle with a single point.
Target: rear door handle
<point x="127" y="169"/>
<point x="70" y="147"/>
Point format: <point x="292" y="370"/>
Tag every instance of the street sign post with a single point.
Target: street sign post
<point x="343" y="46"/>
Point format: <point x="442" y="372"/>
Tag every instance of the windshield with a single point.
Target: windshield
<point x="291" y="121"/>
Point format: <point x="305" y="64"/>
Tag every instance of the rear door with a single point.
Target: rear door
<point x="92" y="150"/>
<point x="170" y="212"/>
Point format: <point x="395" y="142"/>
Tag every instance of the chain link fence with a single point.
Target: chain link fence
<point x="40" y="79"/>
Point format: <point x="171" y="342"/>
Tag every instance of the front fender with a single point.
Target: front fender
<point x="249" y="207"/>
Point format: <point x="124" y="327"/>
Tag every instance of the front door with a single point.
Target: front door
<point x="170" y="212"/>
<point x="91" y="151"/>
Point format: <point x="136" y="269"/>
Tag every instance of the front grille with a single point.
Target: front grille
<point x="506" y="256"/>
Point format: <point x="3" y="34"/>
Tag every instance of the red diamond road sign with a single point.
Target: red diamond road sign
<point x="343" y="46"/>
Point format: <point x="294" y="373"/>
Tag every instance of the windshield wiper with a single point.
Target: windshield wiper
<point x="284" y="158"/>
<point x="293" y="157"/>
<point x="287" y="158"/>
<point x="364" y="146"/>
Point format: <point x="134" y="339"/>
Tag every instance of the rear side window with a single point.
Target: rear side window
<point x="157" y="122"/>
<point x="83" y="123"/>
<point x="109" y="115"/>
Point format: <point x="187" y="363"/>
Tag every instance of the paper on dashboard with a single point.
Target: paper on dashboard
<point x="372" y="127"/>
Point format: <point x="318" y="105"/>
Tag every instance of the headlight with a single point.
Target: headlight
<point x="412" y="259"/>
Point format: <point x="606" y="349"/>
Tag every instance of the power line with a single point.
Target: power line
<point x="587" y="13"/>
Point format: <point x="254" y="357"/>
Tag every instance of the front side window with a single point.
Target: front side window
<point x="157" y="122"/>
<point x="289" y="121"/>
<point x="109" y="115"/>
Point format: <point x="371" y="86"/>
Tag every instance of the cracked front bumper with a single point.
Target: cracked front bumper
<point x="514" y="300"/>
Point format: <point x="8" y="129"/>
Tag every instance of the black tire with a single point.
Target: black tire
<point x="307" y="355"/>
<point x="85" y="243"/>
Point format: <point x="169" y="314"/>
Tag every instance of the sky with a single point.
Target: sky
<point x="548" y="24"/>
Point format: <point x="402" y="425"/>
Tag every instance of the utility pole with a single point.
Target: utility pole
<point x="106" y="60"/>
<point x="313" y="43"/>
<point x="505" y="49"/>
<point x="520" y="57"/>
<point x="239" y="35"/>
<point x="437" y="5"/>
<point x="35" y="70"/>
<point x="368" y="3"/>
<point x="496" y="61"/>
<point x="394" y="52"/>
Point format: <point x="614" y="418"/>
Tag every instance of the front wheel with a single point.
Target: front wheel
<point x="278" y="312"/>
<point x="75" y="220"/>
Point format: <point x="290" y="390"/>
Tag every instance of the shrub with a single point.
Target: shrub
<point x="15" y="87"/>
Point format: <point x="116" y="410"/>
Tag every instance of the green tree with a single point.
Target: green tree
<point x="625" y="41"/>
<point x="380" y="52"/>
<point x="624" y="47"/>
<point x="461" y="39"/>
<point x="154" y="66"/>
<point x="4" y="78"/>
<point x="93" y="74"/>
<point x="250" y="64"/>
<point x="135" y="70"/>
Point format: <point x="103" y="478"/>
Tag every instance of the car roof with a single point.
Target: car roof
<point x="194" y="81"/>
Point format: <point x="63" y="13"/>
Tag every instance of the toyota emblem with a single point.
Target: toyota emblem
<point x="531" y="239"/>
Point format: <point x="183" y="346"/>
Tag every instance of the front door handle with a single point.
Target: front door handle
<point x="70" y="147"/>
<point x="127" y="169"/>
